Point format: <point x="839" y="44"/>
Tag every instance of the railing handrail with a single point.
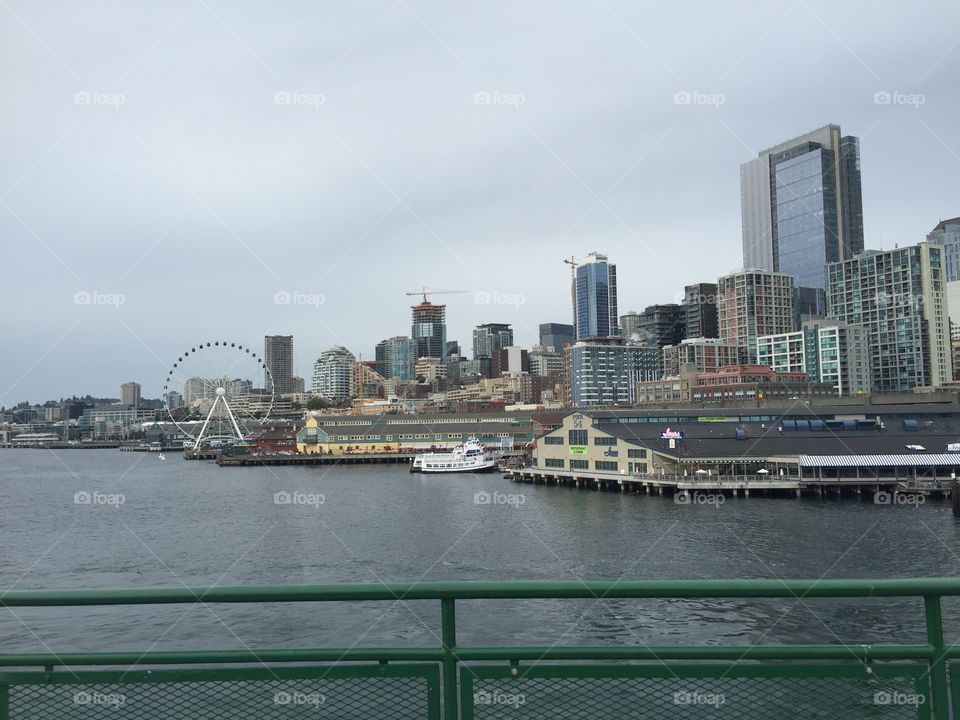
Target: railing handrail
<point x="490" y="590"/>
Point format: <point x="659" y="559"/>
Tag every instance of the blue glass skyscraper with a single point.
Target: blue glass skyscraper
<point x="595" y="298"/>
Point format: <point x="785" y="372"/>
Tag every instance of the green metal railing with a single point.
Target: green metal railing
<point x="450" y="680"/>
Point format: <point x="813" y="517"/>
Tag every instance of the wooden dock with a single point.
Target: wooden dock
<point x="887" y="489"/>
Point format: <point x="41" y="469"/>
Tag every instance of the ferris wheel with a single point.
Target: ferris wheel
<point x="210" y="393"/>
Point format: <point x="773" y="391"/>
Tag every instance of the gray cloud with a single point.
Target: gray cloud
<point x="184" y="183"/>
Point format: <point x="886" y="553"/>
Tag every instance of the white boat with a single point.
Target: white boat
<point x="468" y="457"/>
<point x="161" y="456"/>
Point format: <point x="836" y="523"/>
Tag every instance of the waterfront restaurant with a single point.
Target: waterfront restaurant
<point x="846" y="443"/>
<point x="364" y="434"/>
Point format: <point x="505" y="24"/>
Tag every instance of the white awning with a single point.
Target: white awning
<point x="910" y="460"/>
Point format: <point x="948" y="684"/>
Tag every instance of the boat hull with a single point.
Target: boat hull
<point x="484" y="468"/>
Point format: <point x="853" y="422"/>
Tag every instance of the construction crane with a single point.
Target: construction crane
<point x="428" y="291"/>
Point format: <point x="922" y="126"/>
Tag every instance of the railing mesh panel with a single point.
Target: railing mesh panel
<point x="658" y="698"/>
<point x="391" y="698"/>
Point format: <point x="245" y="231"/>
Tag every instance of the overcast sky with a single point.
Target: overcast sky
<point x="181" y="171"/>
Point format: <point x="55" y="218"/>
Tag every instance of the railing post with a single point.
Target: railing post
<point x="448" y="637"/>
<point x="939" y="704"/>
<point x="4" y="702"/>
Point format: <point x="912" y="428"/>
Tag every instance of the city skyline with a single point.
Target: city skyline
<point x="285" y="192"/>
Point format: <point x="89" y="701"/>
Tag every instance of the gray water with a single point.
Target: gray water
<point x="193" y="523"/>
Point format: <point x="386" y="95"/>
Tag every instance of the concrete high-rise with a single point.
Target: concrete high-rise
<point x="429" y="330"/>
<point x="751" y="303"/>
<point x="801" y="206"/>
<point x="130" y="394"/>
<point x="333" y="374"/>
<point x="828" y="352"/>
<point x="595" y="298"/>
<point x="899" y="297"/>
<point x="278" y="356"/>
<point x="556" y="335"/>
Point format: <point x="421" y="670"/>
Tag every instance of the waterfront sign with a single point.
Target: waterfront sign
<point x="669" y="434"/>
<point x="578" y="449"/>
<point x="705" y="419"/>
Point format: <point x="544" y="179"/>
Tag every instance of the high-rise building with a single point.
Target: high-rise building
<point x="512" y="359"/>
<point x="899" y="297"/>
<point x="130" y="394"/>
<point x="546" y="361"/>
<point x="429" y="330"/>
<point x="801" y="206"/>
<point x="172" y="399"/>
<point x="606" y="371"/>
<point x="453" y="348"/>
<point x="656" y="327"/>
<point x="831" y="353"/>
<point x="595" y="298"/>
<point x="395" y="357"/>
<point x="751" y="303"/>
<point x="556" y="335"/>
<point x="333" y="374"/>
<point x="489" y="338"/>
<point x="947" y="233"/>
<point x="700" y="311"/>
<point x="278" y="356"/>
<point x="705" y="354"/>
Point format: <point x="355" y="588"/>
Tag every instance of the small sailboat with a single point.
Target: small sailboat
<point x="161" y="456"/>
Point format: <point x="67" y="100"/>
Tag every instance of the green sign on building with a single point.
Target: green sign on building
<point x="578" y="449"/>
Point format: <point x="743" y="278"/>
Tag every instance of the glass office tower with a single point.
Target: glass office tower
<point x="802" y="208"/>
<point x="595" y="298"/>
